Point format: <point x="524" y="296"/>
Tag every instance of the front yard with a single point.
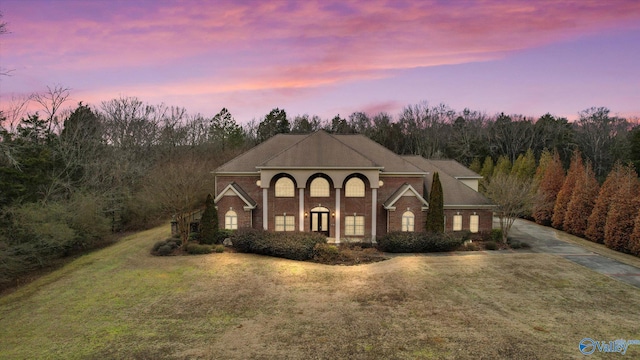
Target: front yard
<point x="122" y="302"/>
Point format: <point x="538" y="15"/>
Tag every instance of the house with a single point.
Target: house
<point x="348" y="187"/>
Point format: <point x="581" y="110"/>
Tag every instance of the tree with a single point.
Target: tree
<point x="435" y="214"/>
<point x="503" y="166"/>
<point x="597" y="133"/>
<point x="525" y="165"/>
<point x="548" y="189"/>
<point x="598" y="218"/>
<point x="621" y="216"/>
<point x="224" y="131"/>
<point x="582" y="201"/>
<point x="512" y="197"/>
<point x="209" y="222"/>
<point x="274" y="123"/>
<point x="634" y="240"/>
<point x="179" y="186"/>
<point x="564" y="195"/>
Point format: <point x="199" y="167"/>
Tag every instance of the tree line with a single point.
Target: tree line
<point x="71" y="176"/>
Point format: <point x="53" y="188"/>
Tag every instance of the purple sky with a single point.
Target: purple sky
<point x="326" y="58"/>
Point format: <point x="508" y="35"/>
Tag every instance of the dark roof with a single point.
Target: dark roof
<point x="455" y="169"/>
<point x="319" y="150"/>
<point x="455" y="193"/>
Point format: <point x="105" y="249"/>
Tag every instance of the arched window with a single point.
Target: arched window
<point x="408" y="221"/>
<point x="319" y="187"/>
<point x="285" y="187"/>
<point x="354" y="188"/>
<point x="231" y="220"/>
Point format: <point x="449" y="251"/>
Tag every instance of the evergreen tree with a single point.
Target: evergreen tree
<point x="476" y="166"/>
<point x="598" y="218"/>
<point x="503" y="166"/>
<point x="435" y="214"/>
<point x="209" y="222"/>
<point x="525" y="165"/>
<point x="551" y="182"/>
<point x="485" y="172"/>
<point x="621" y="216"/>
<point x="582" y="201"/>
<point x="564" y="195"/>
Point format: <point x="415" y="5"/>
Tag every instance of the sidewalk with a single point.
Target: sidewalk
<point x="544" y="240"/>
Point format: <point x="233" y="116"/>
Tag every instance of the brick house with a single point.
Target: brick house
<point x="348" y="187"/>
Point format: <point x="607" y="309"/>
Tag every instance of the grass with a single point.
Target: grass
<point x="121" y="302"/>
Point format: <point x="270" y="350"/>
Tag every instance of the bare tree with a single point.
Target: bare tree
<point x="513" y="198"/>
<point x="51" y="102"/>
<point x="178" y="186"/>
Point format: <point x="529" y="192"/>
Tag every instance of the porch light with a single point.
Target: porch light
<point x="380" y="183"/>
<point x="306" y="214"/>
<point x="333" y="214"/>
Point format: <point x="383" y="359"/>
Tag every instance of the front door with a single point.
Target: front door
<point x="320" y="221"/>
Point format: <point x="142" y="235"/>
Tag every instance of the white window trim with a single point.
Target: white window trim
<point x="355" y="190"/>
<point x="455" y="222"/>
<point x="352" y="229"/>
<point x="231" y="220"/>
<point x="408" y="226"/>
<point x="320" y="183"/>
<point x="284" y="190"/>
<point x="288" y="223"/>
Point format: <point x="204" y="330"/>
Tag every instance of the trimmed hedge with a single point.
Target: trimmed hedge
<point x="412" y="242"/>
<point x="288" y="245"/>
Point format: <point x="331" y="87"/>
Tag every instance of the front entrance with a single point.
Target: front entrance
<point x="320" y="220"/>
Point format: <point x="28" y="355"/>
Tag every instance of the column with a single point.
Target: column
<point x="301" y="206"/>
<point x="337" y="212"/>
<point x="374" y="215"/>
<point x="265" y="213"/>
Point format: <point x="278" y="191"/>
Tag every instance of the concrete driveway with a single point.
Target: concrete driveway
<point x="545" y="240"/>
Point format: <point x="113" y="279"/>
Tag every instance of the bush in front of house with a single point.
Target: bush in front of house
<point x="412" y="242"/>
<point x="165" y="247"/>
<point x="288" y="245"/>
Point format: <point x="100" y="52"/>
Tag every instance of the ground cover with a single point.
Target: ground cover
<point x="122" y="302"/>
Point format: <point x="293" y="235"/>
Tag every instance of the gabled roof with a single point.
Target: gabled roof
<point x="319" y="150"/>
<point x="456" y="195"/>
<point x="402" y="190"/>
<point x="239" y="192"/>
<point x="455" y="169"/>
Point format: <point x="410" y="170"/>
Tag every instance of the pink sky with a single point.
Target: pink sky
<point x="329" y="57"/>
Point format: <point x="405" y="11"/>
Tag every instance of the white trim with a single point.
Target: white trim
<point x="265" y="213"/>
<point x="231" y="188"/>
<point x="415" y="193"/>
<point x="337" y="218"/>
<point x="374" y="215"/>
<point x="301" y="209"/>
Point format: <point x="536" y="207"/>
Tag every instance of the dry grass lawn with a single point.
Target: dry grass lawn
<point x="122" y="303"/>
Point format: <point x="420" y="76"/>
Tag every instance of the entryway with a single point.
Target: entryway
<point x="320" y="220"/>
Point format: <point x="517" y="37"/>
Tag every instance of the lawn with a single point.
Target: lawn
<point x="121" y="302"/>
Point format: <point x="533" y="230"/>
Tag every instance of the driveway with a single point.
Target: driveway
<point x="544" y="240"/>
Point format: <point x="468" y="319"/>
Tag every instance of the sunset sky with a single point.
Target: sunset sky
<point x="329" y="57"/>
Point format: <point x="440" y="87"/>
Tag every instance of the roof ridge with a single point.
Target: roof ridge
<point x="289" y="147"/>
<point x="378" y="145"/>
<point x="357" y="151"/>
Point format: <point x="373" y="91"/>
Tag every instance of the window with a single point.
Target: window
<point x="285" y="222"/>
<point x="474" y="222"/>
<point x="408" y="220"/>
<point x="285" y="187"/>
<point x="231" y="220"/>
<point x="354" y="188"/>
<point x="354" y="225"/>
<point x="319" y="187"/>
<point x="457" y="222"/>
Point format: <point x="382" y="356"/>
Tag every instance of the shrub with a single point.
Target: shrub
<point x="197" y="249"/>
<point x="399" y="242"/>
<point x="495" y="235"/>
<point x="193" y="236"/>
<point x="516" y="244"/>
<point x="165" y="247"/>
<point x="218" y="248"/>
<point x="326" y="253"/>
<point x="293" y="245"/>
<point x="491" y="245"/>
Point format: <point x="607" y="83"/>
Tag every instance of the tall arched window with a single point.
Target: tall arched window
<point x="231" y="220"/>
<point x="408" y="221"/>
<point x="319" y="187"/>
<point x="285" y="187"/>
<point x="354" y="188"/>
